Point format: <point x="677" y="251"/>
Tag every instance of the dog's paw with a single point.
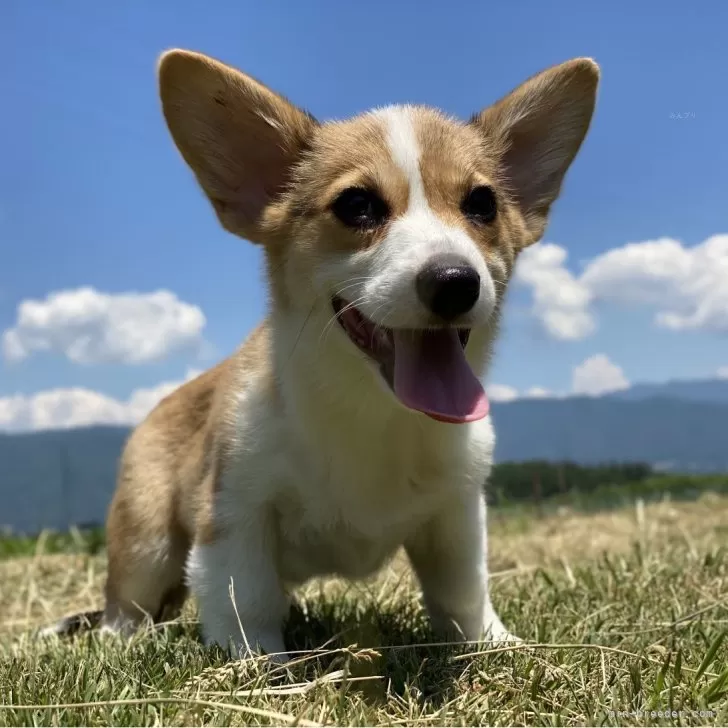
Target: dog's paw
<point x="502" y="639"/>
<point x="261" y="647"/>
<point x="71" y="625"/>
<point x="495" y="633"/>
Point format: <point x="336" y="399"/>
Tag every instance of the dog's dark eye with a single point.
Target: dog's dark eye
<point x="360" y="208"/>
<point x="480" y="204"/>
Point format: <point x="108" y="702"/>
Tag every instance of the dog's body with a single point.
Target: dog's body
<point x="351" y="423"/>
<point x="343" y="509"/>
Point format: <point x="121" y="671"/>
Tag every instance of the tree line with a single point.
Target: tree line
<point x="539" y="479"/>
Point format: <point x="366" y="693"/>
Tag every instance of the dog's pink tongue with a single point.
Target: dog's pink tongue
<point x="432" y="376"/>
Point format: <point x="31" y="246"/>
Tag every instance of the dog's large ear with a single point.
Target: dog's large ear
<point x="538" y="129"/>
<point x="240" y="138"/>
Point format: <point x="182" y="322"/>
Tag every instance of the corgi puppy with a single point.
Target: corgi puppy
<point x="352" y="421"/>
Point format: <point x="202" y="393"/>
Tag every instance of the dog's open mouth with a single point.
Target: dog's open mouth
<point x="425" y="368"/>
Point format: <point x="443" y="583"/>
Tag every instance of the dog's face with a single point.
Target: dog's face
<point x="402" y="224"/>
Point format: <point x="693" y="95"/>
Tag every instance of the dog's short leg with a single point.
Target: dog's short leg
<point x="449" y="555"/>
<point x="240" y="564"/>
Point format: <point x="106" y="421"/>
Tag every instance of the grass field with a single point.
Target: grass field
<point x="623" y="611"/>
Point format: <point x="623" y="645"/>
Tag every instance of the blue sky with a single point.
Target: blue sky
<point x="94" y="195"/>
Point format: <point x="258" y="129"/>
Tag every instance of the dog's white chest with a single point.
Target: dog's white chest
<point x="344" y="498"/>
<point x="348" y="518"/>
<point x="306" y="552"/>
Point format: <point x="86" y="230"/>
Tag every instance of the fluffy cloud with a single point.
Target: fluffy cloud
<point x="598" y="375"/>
<point x="560" y="301"/>
<point x="91" y="327"/>
<point x="501" y="393"/>
<point x="685" y="286"/>
<point x="77" y="407"/>
<point x="722" y="373"/>
<point x="595" y="376"/>
<point x="506" y="393"/>
<point x="538" y="393"/>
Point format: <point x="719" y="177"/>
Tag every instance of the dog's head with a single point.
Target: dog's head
<point x="403" y="224"/>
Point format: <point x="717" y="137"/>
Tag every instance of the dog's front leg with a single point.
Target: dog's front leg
<point x="239" y="564"/>
<point x="449" y="556"/>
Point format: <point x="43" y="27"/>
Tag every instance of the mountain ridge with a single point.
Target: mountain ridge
<point x="55" y="478"/>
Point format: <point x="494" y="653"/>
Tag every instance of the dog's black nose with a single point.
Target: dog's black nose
<point x="448" y="286"/>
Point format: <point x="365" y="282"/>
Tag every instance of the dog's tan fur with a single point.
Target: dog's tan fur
<point x="271" y="172"/>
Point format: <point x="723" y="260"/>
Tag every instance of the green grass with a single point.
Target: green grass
<point x="623" y="611"/>
<point x="653" y="488"/>
<point x="90" y="541"/>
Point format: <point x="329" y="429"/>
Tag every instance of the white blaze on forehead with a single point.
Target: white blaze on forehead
<point x="401" y="135"/>
<point x="420" y="233"/>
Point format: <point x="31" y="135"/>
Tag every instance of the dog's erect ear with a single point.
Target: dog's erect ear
<point x="538" y="129"/>
<point x="240" y="138"/>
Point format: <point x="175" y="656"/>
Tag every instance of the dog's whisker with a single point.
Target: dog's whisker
<point x="340" y="291"/>
<point x="300" y="333"/>
<point x="357" y="279"/>
<point x="334" y="318"/>
<point x="378" y="326"/>
<point x="351" y="283"/>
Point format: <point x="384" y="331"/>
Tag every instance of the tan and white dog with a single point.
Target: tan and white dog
<point x="352" y="421"/>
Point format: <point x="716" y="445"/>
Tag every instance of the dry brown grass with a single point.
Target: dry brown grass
<point x="622" y="610"/>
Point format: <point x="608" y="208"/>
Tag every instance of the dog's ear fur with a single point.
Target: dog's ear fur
<point x="538" y="129"/>
<point x="240" y="138"/>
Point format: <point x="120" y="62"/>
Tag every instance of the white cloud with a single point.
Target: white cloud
<point x="598" y="375"/>
<point x="501" y="392"/>
<point x="685" y="286"/>
<point x="722" y="373"/>
<point x="91" y="327"/>
<point x="77" y="407"/>
<point x="538" y="393"/>
<point x="560" y="301"/>
<point x="506" y="393"/>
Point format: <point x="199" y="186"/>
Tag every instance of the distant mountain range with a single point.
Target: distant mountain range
<point x="53" y="479"/>
<point x="713" y="391"/>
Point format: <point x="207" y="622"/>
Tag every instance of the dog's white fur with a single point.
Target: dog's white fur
<point x="375" y="492"/>
<point x="293" y="459"/>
